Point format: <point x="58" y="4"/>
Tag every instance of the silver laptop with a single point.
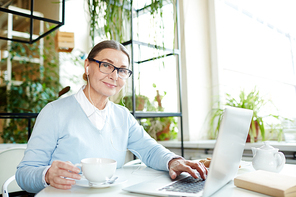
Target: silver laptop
<point x="225" y="162"/>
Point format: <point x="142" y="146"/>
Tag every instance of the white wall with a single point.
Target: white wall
<point x="196" y="68"/>
<point x="76" y="20"/>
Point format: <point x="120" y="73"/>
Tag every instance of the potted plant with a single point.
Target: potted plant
<point x="160" y="128"/>
<point x="142" y="103"/>
<point x="252" y="101"/>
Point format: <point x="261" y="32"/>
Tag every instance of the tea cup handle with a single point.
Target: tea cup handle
<point x="80" y="165"/>
<point x="282" y="160"/>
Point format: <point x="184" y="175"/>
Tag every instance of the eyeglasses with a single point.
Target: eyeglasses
<point x="108" y="68"/>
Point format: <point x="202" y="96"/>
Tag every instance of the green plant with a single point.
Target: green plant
<point x="114" y="15"/>
<point x="255" y="102"/>
<point x="142" y="103"/>
<point x="39" y="86"/>
<point x="160" y="128"/>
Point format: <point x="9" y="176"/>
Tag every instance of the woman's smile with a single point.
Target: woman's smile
<point x="109" y="85"/>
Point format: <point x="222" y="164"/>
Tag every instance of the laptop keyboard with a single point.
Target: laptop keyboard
<point x="187" y="185"/>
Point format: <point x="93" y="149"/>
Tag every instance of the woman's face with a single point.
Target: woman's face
<point x="102" y="84"/>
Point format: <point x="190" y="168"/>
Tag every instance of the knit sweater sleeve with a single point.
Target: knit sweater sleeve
<point x="146" y="148"/>
<point x="37" y="156"/>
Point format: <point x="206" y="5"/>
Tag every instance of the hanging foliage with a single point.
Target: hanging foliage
<point x="111" y="18"/>
<point x="108" y="18"/>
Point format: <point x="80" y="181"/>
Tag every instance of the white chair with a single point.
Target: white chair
<point x="9" y="160"/>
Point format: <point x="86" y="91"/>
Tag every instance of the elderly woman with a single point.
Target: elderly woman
<point x="87" y="124"/>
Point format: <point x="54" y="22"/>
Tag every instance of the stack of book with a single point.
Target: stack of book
<point x="270" y="183"/>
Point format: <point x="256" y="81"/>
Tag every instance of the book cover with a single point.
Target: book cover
<point x="270" y="183"/>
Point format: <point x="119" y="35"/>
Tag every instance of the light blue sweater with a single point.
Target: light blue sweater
<point x="63" y="132"/>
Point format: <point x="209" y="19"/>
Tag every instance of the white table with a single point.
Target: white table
<point x="135" y="174"/>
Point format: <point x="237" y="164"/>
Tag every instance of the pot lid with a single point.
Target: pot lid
<point x="267" y="146"/>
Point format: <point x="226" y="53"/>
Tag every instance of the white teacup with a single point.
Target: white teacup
<point x="97" y="170"/>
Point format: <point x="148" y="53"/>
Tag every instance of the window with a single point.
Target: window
<point x="159" y="31"/>
<point x="256" y="47"/>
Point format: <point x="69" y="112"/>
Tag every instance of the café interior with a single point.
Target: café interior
<point x="190" y="60"/>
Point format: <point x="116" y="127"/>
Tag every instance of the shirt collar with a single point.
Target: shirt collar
<point x="86" y="105"/>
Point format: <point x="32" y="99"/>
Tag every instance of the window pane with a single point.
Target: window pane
<point x="256" y="49"/>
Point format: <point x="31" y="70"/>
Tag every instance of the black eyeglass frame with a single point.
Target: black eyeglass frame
<point x="115" y="68"/>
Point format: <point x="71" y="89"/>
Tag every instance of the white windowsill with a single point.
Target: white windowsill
<point x="201" y="144"/>
<point x="210" y="144"/>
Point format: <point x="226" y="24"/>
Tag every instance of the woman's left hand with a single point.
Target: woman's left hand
<point x="179" y="165"/>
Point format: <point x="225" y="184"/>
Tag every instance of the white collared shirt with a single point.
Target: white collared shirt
<point x="96" y="116"/>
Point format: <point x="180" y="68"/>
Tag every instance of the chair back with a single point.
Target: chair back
<point x="9" y="160"/>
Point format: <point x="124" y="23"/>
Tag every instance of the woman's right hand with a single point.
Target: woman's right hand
<point x="58" y="172"/>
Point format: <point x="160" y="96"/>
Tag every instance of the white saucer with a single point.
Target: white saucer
<point x="245" y="165"/>
<point x="84" y="183"/>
